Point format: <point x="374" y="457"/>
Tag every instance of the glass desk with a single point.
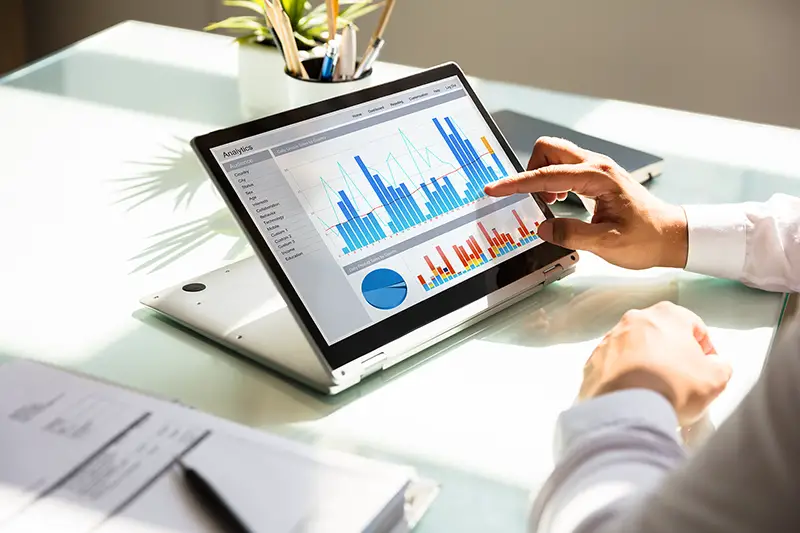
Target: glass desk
<point x="101" y="202"/>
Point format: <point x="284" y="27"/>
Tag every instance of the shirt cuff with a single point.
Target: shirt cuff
<point x="632" y="407"/>
<point x="717" y="240"/>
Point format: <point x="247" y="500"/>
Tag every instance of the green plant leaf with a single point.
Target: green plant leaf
<point x="295" y="9"/>
<point x="238" y="23"/>
<point x="359" y="9"/>
<point x="246" y="4"/>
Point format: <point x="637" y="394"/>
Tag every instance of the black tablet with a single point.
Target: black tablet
<point x="368" y="209"/>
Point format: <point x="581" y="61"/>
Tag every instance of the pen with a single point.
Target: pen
<point x="347" y="53"/>
<point x="329" y="61"/>
<point x="374" y="48"/>
<point x="212" y="501"/>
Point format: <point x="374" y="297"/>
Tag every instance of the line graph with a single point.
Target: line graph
<point x="364" y="188"/>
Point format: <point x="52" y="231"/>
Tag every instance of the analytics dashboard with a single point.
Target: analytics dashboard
<point x="375" y="208"/>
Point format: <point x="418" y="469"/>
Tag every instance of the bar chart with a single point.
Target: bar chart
<point x="472" y="254"/>
<point x="403" y="206"/>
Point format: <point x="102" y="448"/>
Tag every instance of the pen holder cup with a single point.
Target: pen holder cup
<point x="307" y="91"/>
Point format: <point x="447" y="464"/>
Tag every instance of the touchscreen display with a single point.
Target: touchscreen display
<point x="375" y="208"/>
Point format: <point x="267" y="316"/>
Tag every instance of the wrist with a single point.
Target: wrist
<point x="674" y="238"/>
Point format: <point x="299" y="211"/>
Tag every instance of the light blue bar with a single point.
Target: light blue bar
<point x="405" y="216"/>
<point x="499" y="165"/>
<point x="426" y="288"/>
<point x="477" y="178"/>
<point x="484" y="258"/>
<point x="439" y="278"/>
<point x="392" y="227"/>
<point x="440" y="205"/>
<point x="436" y="282"/>
<point x="346" y="237"/>
<point x="415" y="210"/>
<point x="345" y="250"/>
<point x="456" y="152"/>
<point x="443" y="195"/>
<point x="431" y="204"/>
<point x="452" y="198"/>
<point x="362" y="226"/>
<point x="493" y="174"/>
<point x="376" y="226"/>
<point x="349" y="231"/>
<point x="452" y="190"/>
<point x="478" y="160"/>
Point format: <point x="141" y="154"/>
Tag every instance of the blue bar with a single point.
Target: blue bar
<point x="468" y="194"/>
<point x="440" y="205"/>
<point x="494" y="175"/>
<point x="376" y="226"/>
<point x="362" y="226"/>
<point x="431" y="204"/>
<point x="346" y="250"/>
<point x="413" y="203"/>
<point x="439" y="278"/>
<point x="405" y="218"/>
<point x="380" y="191"/>
<point x="478" y="160"/>
<point x="462" y="162"/>
<point x="431" y="209"/>
<point x="443" y="195"/>
<point x="452" y="190"/>
<point x="346" y="237"/>
<point x="349" y="231"/>
<point x="426" y="288"/>
<point x="499" y="165"/>
<point x="483" y="257"/>
<point x="436" y="282"/>
<point x="392" y="227"/>
<point x="471" y="159"/>
<point x="391" y="202"/>
<point x="477" y="177"/>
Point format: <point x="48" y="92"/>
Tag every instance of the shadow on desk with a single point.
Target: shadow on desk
<point x="590" y="307"/>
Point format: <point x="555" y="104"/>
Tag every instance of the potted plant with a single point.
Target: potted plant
<point x="309" y="23"/>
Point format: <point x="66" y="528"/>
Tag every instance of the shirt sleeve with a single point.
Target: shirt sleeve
<point x="755" y="243"/>
<point x="620" y="468"/>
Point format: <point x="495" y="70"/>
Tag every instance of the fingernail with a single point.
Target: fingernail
<point x="545" y="231"/>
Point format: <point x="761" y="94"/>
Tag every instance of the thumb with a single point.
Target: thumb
<point x="573" y="234"/>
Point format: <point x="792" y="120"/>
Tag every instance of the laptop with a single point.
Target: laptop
<point x="373" y="238"/>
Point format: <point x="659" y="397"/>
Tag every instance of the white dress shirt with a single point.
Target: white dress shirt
<point x="620" y="465"/>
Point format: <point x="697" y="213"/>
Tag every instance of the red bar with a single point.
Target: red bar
<point x="477" y="246"/>
<point x="461" y="257"/>
<point x="464" y="253"/>
<point x="486" y="235"/>
<point x="499" y="240"/>
<point x="522" y="233"/>
<point x="491" y="252"/>
<point x="428" y="260"/>
<point x="472" y="257"/>
<point x="422" y="280"/>
<point x="510" y="239"/>
<point x="521" y="223"/>
<point x="446" y="261"/>
<point x="472" y="247"/>
<point x="441" y="272"/>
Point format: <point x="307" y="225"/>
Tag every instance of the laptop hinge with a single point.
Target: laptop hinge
<point x="373" y="364"/>
<point x="553" y="273"/>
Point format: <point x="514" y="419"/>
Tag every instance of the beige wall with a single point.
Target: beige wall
<point x="737" y="58"/>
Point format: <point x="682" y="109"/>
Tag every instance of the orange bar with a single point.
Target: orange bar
<point x="446" y="261"/>
<point x="521" y="223"/>
<point x="477" y="246"/>
<point x="430" y="265"/>
<point x="485" y="234"/>
<point x="487" y="145"/>
<point x="460" y="257"/>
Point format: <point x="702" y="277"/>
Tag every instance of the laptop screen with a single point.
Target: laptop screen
<point x="375" y="208"/>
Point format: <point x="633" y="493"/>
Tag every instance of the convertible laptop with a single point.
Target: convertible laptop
<point x="368" y="214"/>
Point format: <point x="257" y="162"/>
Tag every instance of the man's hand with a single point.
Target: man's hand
<point x="664" y="348"/>
<point x="630" y="227"/>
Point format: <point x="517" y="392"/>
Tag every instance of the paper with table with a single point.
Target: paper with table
<point x="78" y="455"/>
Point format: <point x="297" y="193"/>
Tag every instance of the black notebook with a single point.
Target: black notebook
<point x="521" y="131"/>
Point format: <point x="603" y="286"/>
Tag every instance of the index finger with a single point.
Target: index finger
<point x="555" y="151"/>
<point x="580" y="178"/>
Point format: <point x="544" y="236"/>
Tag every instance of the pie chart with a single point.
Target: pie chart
<point x="384" y="289"/>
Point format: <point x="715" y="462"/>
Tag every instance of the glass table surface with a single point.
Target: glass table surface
<point x="102" y="202"/>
